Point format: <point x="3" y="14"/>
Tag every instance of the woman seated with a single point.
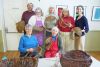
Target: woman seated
<point x="28" y="43"/>
<point x="53" y="44"/>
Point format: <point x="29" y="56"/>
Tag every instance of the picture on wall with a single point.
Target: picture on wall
<point x="96" y="13"/>
<point x="75" y="11"/>
<point x="60" y="8"/>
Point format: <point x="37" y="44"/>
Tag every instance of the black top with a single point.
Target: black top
<point x="82" y="23"/>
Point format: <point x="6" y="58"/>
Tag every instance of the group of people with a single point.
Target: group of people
<point x="51" y="32"/>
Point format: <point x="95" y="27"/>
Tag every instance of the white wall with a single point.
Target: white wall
<point x="0" y="15"/>
<point x="44" y="4"/>
<point x="13" y="10"/>
<point x="2" y="25"/>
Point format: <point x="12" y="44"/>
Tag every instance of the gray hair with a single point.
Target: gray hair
<point x="28" y="26"/>
<point x="56" y="29"/>
<point x="38" y="9"/>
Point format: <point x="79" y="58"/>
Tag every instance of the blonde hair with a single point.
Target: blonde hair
<point x="65" y="10"/>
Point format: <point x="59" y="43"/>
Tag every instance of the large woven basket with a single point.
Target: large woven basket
<point x="75" y="58"/>
<point x="20" y="62"/>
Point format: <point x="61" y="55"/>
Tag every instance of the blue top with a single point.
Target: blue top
<point x="83" y="24"/>
<point x="27" y="42"/>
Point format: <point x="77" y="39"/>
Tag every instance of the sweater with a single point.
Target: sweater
<point x="83" y="24"/>
<point x="27" y="42"/>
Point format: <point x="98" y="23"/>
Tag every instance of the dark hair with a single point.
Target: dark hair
<point x="81" y="7"/>
<point x="30" y="3"/>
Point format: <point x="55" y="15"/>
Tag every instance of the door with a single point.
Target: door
<point x="13" y="10"/>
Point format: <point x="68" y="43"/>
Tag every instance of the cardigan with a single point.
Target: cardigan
<point x="59" y="42"/>
<point x="83" y="24"/>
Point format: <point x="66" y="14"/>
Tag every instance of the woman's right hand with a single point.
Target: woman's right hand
<point x="30" y="50"/>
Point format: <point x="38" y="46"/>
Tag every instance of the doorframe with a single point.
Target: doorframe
<point x="3" y="35"/>
<point x="4" y="31"/>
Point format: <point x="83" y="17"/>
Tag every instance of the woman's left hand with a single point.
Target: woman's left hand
<point x="31" y="50"/>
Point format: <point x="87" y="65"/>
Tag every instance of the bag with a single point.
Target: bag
<point x="38" y="29"/>
<point x="20" y="26"/>
<point x="76" y="32"/>
<point x="75" y="58"/>
<point x="26" y="61"/>
<point x="50" y="18"/>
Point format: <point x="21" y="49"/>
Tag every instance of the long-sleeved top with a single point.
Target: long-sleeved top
<point x="64" y="21"/>
<point x="54" y="38"/>
<point x="83" y="24"/>
<point x="26" y="16"/>
<point x="27" y="42"/>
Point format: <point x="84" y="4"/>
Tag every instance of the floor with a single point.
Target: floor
<point x="95" y="54"/>
<point x="11" y="54"/>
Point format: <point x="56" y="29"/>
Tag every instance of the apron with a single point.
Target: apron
<point x="53" y="49"/>
<point x="39" y="35"/>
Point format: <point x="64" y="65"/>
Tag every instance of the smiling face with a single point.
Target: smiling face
<point x="38" y="12"/>
<point x="79" y="10"/>
<point x="28" y="29"/>
<point x="55" y="31"/>
<point x="65" y="12"/>
<point x="51" y="10"/>
<point x="30" y="6"/>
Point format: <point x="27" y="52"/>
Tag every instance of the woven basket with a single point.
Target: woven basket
<point x="20" y="62"/>
<point x="75" y="58"/>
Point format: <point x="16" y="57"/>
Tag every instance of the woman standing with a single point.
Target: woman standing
<point x="37" y="22"/>
<point x="65" y="25"/>
<point x="82" y="23"/>
<point x="50" y="21"/>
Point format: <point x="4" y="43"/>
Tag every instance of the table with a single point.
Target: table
<point x="54" y="62"/>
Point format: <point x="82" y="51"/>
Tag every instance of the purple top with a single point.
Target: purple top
<point x="38" y="23"/>
<point x="26" y="16"/>
<point x="39" y="35"/>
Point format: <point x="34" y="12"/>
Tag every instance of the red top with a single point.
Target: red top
<point x="61" y="25"/>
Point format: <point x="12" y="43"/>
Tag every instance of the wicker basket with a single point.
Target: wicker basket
<point x="20" y="62"/>
<point x="75" y="58"/>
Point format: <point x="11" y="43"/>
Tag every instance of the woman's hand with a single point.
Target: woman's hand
<point x="68" y="24"/>
<point x="30" y="50"/>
